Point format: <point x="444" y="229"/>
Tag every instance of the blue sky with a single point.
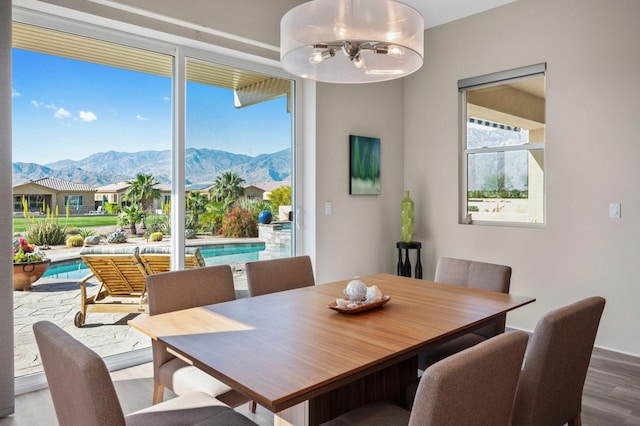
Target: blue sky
<point x="68" y="109"/>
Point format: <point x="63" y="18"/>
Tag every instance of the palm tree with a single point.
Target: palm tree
<point x="228" y="187"/>
<point x="142" y="190"/>
<point x="130" y="216"/>
<point x="196" y="203"/>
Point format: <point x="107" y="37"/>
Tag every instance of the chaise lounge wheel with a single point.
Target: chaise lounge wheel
<point x="78" y="321"/>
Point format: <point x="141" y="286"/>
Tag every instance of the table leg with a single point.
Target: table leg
<point x="400" y="262"/>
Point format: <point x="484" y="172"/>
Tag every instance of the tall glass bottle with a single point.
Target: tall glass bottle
<point x="407" y="225"/>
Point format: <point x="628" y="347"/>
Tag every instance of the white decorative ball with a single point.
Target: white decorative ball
<point x="356" y="291"/>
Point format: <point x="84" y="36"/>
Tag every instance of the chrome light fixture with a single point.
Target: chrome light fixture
<point x="351" y="41"/>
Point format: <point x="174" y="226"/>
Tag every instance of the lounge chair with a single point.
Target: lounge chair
<point x="97" y="211"/>
<point x="158" y="259"/>
<point x="122" y="280"/>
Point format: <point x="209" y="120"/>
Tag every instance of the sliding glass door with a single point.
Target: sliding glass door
<point x="95" y="123"/>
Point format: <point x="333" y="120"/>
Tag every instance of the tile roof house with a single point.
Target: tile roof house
<point x="114" y="193"/>
<point x="52" y="192"/>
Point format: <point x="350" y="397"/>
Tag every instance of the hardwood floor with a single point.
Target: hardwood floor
<point x="611" y="395"/>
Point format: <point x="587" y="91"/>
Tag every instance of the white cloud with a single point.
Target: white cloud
<point x="141" y="118"/>
<point x="61" y="113"/>
<point x="87" y="116"/>
<point x="14" y="93"/>
<point x="39" y="105"/>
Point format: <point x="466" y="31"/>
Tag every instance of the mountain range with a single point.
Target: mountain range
<point x="202" y="167"/>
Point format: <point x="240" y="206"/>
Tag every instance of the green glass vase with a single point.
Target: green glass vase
<point x="407" y="226"/>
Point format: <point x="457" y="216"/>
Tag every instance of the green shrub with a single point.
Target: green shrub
<point x="280" y="197"/>
<point x="157" y="223"/>
<point x="190" y="234"/>
<point x="212" y="218"/>
<point x="111" y="208"/>
<point x="116" y="237"/>
<point x="239" y="223"/>
<point x="156" y="236"/>
<point x="85" y="232"/>
<point x="45" y="233"/>
<point x="75" y="241"/>
<point x="473" y="209"/>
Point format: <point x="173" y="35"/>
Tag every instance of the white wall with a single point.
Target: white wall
<point x="591" y="50"/>
<point x="6" y="274"/>
<point x="359" y="237"/>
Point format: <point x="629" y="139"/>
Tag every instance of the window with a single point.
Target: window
<point x="133" y="80"/>
<point x="73" y="201"/>
<point x="503" y="140"/>
<point x="35" y="203"/>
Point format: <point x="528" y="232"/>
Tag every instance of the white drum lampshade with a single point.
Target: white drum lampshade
<point x="352" y="41"/>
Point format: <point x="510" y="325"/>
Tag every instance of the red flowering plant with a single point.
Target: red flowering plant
<point x="24" y="252"/>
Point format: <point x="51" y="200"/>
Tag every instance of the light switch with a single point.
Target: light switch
<point x="614" y="210"/>
<point x="328" y="208"/>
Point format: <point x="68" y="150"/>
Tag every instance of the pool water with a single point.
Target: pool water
<point x="218" y="254"/>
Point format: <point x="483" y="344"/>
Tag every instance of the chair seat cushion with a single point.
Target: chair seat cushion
<point x="374" y="414"/>
<point x="183" y="379"/>
<point x="192" y="409"/>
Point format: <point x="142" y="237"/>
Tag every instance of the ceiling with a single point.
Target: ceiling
<point x="438" y="12"/>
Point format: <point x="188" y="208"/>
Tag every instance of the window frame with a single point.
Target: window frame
<point x="489" y="80"/>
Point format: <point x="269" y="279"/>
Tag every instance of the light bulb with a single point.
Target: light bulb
<point x="316" y="57"/>
<point x="359" y="62"/>
<point x="395" y="51"/>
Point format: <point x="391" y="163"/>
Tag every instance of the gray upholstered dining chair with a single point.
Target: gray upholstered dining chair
<point x="556" y="364"/>
<point x="473" y="274"/>
<point x="176" y="290"/>
<point x="274" y="275"/>
<point x="83" y="393"/>
<point x="473" y="387"/>
<point x="270" y="276"/>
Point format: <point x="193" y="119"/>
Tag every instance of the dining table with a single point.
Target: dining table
<point x="295" y="354"/>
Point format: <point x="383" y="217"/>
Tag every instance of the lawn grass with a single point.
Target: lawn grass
<point x="72" y="221"/>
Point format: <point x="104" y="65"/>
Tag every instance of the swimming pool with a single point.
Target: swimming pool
<point x="217" y="254"/>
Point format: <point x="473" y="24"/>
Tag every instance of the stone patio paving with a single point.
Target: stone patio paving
<point x="58" y="301"/>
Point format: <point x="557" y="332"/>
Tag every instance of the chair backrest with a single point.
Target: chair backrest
<point x="175" y="290"/>
<point x="473" y="387"/>
<point x="119" y="269"/>
<point x="270" y="276"/>
<point x="158" y="259"/>
<point x="556" y="363"/>
<point x="189" y="288"/>
<point x="80" y="385"/>
<point x="485" y="276"/>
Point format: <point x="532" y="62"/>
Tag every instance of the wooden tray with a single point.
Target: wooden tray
<point x="362" y="308"/>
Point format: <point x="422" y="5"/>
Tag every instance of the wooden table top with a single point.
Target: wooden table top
<point x="284" y="348"/>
